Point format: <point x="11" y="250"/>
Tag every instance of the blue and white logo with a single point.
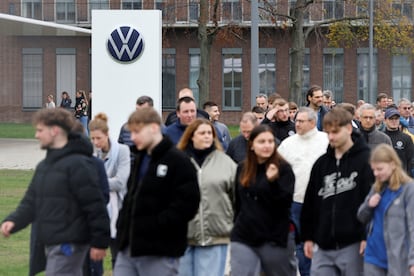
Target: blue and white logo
<point x="125" y="44"/>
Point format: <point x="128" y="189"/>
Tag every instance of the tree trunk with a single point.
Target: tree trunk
<point x="205" y="47"/>
<point x="297" y="55"/>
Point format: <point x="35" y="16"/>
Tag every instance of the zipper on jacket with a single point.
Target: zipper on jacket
<point x="201" y="212"/>
<point x="338" y="175"/>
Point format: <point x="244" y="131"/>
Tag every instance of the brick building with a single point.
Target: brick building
<point x="41" y="59"/>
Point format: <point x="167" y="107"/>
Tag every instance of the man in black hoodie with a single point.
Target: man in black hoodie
<point x="339" y="182"/>
<point x="64" y="199"/>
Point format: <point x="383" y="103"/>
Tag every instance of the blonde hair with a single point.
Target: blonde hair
<point x="99" y="122"/>
<point x="83" y="95"/>
<point x="385" y="153"/>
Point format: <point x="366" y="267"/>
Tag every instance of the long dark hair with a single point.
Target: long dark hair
<point x="250" y="164"/>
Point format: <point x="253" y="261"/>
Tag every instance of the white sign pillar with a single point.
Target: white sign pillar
<point x="126" y="62"/>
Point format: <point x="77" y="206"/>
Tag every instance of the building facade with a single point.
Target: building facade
<point x="34" y="65"/>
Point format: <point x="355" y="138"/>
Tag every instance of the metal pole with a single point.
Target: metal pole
<point x="371" y="96"/>
<point x="254" y="52"/>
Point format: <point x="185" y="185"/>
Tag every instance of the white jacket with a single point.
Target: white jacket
<point x="301" y="151"/>
<point x="117" y="165"/>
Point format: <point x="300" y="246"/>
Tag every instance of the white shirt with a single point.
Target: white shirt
<point x="301" y="151"/>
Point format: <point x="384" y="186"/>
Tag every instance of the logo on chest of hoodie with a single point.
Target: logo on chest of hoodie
<point x="335" y="184"/>
<point x="162" y="170"/>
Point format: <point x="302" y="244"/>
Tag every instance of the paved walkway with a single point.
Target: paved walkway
<point x="20" y="154"/>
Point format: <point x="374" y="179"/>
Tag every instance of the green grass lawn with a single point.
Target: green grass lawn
<point x="14" y="251"/>
<point x="234" y="130"/>
<point x="27" y="131"/>
<point x="14" y="130"/>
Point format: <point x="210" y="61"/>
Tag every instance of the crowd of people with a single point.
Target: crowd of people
<point x="321" y="189"/>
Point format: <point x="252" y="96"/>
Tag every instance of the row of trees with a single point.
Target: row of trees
<point x="347" y="27"/>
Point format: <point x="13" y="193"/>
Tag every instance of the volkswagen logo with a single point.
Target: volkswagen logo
<point x="125" y="44"/>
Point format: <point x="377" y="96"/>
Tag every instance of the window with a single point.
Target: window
<point x="12" y="9"/>
<point x="333" y="9"/>
<point x="194" y="10"/>
<point x="97" y="5"/>
<point x="363" y="75"/>
<point x="66" y="71"/>
<point x="232" y="79"/>
<point x="32" y="9"/>
<point x="162" y="6"/>
<point x="194" y="72"/>
<point x="267" y="71"/>
<point x="333" y="72"/>
<point x="168" y="79"/>
<point x="132" y="4"/>
<point x="401" y="77"/>
<point x="231" y="11"/>
<point x="265" y="6"/>
<point x="32" y="78"/>
<point x="292" y="7"/>
<point x="405" y="8"/>
<point x="65" y="11"/>
<point x="362" y="9"/>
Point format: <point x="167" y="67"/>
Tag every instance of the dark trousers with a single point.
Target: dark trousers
<point x="304" y="262"/>
<point x="92" y="268"/>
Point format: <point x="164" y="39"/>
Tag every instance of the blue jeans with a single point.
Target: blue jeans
<point x="84" y="122"/>
<point x="92" y="268"/>
<point x="304" y="262"/>
<point x="203" y="260"/>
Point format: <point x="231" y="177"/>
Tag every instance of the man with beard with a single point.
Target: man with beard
<point x="64" y="199"/>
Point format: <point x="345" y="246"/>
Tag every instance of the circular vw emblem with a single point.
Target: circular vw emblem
<point x="125" y="44"/>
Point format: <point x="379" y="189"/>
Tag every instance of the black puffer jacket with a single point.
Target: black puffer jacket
<point x="64" y="198"/>
<point x="155" y="214"/>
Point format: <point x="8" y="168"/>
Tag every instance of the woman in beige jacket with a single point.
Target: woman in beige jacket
<point x="209" y="231"/>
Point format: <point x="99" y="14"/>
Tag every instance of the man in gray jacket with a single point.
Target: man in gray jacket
<point x="372" y="136"/>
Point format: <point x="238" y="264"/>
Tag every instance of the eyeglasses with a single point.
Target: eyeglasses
<point x="301" y="121"/>
<point x="407" y="108"/>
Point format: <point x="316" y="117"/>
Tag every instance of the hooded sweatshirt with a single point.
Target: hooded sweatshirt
<point x="336" y="189"/>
